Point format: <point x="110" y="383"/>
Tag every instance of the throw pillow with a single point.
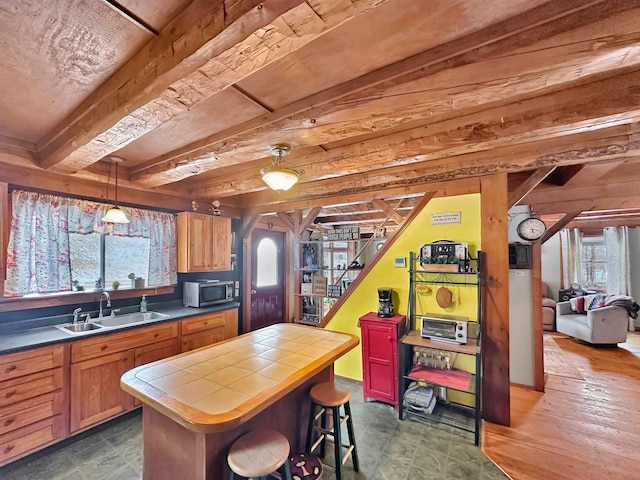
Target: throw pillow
<point x="577" y="305"/>
<point x="597" y="301"/>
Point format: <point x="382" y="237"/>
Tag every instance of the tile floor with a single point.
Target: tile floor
<point x="389" y="449"/>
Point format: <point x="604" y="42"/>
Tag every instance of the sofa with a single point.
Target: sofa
<point x="601" y="326"/>
<point x="548" y="309"/>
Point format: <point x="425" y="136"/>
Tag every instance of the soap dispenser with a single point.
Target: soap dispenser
<point x="143" y="304"/>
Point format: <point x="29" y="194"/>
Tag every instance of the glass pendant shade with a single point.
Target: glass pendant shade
<point x="115" y="215"/>
<point x="280" y="178"/>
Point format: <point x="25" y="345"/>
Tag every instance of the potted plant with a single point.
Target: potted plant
<point x="77" y="287"/>
<point x="115" y="284"/>
<point x="132" y="277"/>
<point x="440" y="263"/>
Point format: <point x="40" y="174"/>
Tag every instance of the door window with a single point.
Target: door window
<point x="267" y="263"/>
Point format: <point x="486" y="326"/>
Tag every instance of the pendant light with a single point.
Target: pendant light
<point x="114" y="214"/>
<point x="280" y="176"/>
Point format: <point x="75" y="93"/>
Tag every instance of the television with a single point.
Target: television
<point x="519" y="255"/>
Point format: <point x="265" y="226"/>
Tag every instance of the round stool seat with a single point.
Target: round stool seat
<point x="328" y="394"/>
<point x="258" y="453"/>
<point x="305" y="466"/>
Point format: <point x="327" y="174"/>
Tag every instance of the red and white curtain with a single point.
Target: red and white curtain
<point x="38" y="259"/>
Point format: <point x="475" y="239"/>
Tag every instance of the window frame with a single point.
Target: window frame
<point x="590" y="241"/>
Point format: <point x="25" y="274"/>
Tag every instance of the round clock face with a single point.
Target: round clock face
<point x="531" y="228"/>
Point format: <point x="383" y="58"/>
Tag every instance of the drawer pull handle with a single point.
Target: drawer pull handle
<point x="10" y="394"/>
<point x="156" y="335"/>
<point x="104" y="347"/>
<point x="9" y="421"/>
<point x="11" y="368"/>
<point x="9" y="448"/>
<point x="206" y="323"/>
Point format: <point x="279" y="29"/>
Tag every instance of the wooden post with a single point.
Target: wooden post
<point x="495" y="336"/>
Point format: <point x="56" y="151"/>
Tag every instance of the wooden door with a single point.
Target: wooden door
<point x="95" y="389"/>
<point x="267" y="278"/>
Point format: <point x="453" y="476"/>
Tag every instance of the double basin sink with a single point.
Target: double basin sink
<point x="97" y="324"/>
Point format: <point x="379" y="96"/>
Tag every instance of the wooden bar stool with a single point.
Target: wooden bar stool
<point x="329" y="397"/>
<point x="259" y="453"/>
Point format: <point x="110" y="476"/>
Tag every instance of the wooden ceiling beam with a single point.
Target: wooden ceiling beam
<point x="206" y="48"/>
<point x="228" y="146"/>
<point x="38" y="179"/>
<point x="585" y="108"/>
<point x="444" y="189"/>
<point x="589" y="225"/>
<point x="529" y="184"/>
<point x="559" y="225"/>
<point x="288" y="222"/>
<point x="388" y="210"/>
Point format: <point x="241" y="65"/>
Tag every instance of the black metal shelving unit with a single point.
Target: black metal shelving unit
<point x="463" y="417"/>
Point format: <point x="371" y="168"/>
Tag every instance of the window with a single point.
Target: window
<point x="594" y="263"/>
<point x="99" y="256"/>
<point x="267" y="263"/>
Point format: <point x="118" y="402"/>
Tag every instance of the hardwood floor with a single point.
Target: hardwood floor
<point x="578" y="429"/>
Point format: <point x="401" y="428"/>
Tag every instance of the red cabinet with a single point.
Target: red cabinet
<point x="380" y="356"/>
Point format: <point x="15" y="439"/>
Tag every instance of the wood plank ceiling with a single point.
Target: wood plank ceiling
<point x="380" y="100"/>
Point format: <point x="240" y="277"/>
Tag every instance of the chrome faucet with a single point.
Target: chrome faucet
<point x="105" y="295"/>
<point x="76" y="312"/>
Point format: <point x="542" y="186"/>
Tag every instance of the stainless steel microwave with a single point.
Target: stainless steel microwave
<point x="205" y="293"/>
<point x="444" y="330"/>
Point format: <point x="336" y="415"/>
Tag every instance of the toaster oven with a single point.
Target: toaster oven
<point x="449" y="330"/>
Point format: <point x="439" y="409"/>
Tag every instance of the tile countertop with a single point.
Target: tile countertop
<point x="218" y="387"/>
<point x="47" y="332"/>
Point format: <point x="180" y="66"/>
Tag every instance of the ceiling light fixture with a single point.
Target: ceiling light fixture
<point x="114" y="214"/>
<point x="280" y="175"/>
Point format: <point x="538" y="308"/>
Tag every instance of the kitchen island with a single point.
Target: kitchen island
<point x="195" y="405"/>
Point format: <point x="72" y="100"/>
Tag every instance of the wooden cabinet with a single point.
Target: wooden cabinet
<point x="380" y="357"/>
<point x="95" y="389"/>
<point x="32" y="401"/>
<point x="208" y="329"/>
<point x="98" y="363"/>
<point x="204" y="243"/>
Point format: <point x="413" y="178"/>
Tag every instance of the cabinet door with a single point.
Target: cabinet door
<point x="194" y="242"/>
<point x="231" y="323"/>
<point x="221" y="243"/>
<point x="153" y="352"/>
<point x="95" y="389"/>
<point x="202" y="339"/>
<point x="379" y="361"/>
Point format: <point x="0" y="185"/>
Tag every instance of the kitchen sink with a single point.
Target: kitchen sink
<point x="79" y="327"/>
<point x="129" y="318"/>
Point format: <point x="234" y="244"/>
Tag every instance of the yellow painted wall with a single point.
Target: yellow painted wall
<point x="364" y="298"/>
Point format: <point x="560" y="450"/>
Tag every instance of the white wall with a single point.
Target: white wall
<point x="551" y="267"/>
<point x="521" y="355"/>
<point x="521" y="359"/>
<point x="634" y="261"/>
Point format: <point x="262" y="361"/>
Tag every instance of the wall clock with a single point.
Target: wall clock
<point x="531" y="229"/>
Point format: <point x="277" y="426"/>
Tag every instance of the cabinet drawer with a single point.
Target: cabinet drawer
<point x="118" y="342"/>
<point x="156" y="351"/>
<point x="202" y="339"/>
<point x="29" y="386"/>
<point x="30" y="361"/>
<point x="24" y="440"/>
<point x="204" y="322"/>
<point x="30" y="411"/>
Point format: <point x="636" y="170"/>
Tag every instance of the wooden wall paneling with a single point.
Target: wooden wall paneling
<point x="538" y="352"/>
<point x="495" y="326"/>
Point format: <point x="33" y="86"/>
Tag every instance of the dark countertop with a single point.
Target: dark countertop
<point x="43" y="331"/>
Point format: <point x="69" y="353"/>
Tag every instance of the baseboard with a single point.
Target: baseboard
<point x="522" y="385"/>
